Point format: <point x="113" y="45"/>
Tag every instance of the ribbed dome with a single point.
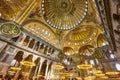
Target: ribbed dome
<point x="64" y="14"/>
<point x="68" y="51"/>
<point x="83" y="33"/>
<point x="86" y="50"/>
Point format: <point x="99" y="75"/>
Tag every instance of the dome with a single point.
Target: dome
<point x="64" y="14"/>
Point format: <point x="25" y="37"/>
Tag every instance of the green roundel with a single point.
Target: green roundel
<point x="98" y="53"/>
<point x="10" y="29"/>
<point x="78" y="58"/>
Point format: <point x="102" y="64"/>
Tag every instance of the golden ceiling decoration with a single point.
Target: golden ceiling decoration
<point x="10" y="8"/>
<point x="68" y="51"/>
<point x="64" y="14"/>
<point x="42" y="31"/>
<point x="101" y="40"/>
<point x="86" y="50"/>
<point x="84" y="34"/>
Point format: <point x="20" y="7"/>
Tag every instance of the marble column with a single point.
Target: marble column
<point x="48" y="51"/>
<point x="30" y="70"/>
<point x="43" y="49"/>
<point x="35" y="44"/>
<point x="18" y="72"/>
<point x="39" y="47"/>
<point x="36" y="70"/>
<point x="41" y="62"/>
<point x="23" y="38"/>
<point x="29" y="42"/>
<point x="46" y="73"/>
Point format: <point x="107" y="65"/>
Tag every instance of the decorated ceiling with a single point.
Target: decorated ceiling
<point x="61" y="23"/>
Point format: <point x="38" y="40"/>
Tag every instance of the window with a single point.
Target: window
<point x="117" y="66"/>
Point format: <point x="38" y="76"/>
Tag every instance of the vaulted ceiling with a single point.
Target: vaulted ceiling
<point x="55" y="27"/>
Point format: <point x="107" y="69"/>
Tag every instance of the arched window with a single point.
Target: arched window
<point x="32" y="42"/>
<point x="25" y="42"/>
<point x="43" y="70"/>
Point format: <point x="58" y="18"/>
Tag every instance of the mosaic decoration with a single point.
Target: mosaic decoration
<point x="64" y="14"/>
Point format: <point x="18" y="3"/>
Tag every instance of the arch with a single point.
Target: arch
<point x="32" y="72"/>
<point x="43" y="69"/>
<point x="41" y="48"/>
<point x="41" y="30"/>
<point x="29" y="58"/>
<point x="21" y="37"/>
<point x="101" y="40"/>
<point x="37" y="21"/>
<point x="37" y="46"/>
<point x="84" y="34"/>
<point x="46" y="50"/>
<point x="32" y="43"/>
<point x="19" y="56"/>
<point x="53" y="51"/>
<point x="26" y="41"/>
<point x="16" y="38"/>
<point x="50" y="65"/>
<point x="68" y="51"/>
<point x="49" y="51"/>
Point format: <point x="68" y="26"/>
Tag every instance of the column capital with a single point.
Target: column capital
<point x="36" y="41"/>
<point x="42" y="60"/>
<point x="30" y="39"/>
<point x="48" y="62"/>
<point x="48" y="48"/>
<point x="41" y="43"/>
<point x="52" y="49"/>
<point x="44" y="45"/>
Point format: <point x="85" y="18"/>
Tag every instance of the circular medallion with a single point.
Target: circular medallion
<point x="64" y="14"/>
<point x="10" y="29"/>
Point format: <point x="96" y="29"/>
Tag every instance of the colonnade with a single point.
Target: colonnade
<point x="40" y="70"/>
<point x="42" y="67"/>
<point x="35" y="45"/>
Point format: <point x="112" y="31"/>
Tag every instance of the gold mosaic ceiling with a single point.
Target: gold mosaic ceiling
<point x="64" y="14"/>
<point x="9" y="9"/>
<point x="42" y="30"/>
<point x="86" y="33"/>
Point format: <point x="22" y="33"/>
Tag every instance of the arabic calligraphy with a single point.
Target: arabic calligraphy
<point x="10" y="29"/>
